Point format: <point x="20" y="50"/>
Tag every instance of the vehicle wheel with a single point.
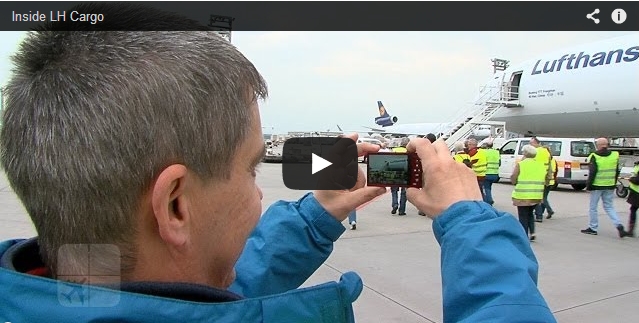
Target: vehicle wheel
<point x="621" y="191"/>
<point x="578" y="187"/>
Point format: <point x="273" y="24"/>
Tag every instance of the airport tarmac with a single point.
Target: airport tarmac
<point x="584" y="278"/>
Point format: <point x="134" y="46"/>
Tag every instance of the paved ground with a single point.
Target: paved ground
<point x="584" y="278"/>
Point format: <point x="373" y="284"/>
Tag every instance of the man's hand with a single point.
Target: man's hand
<point x="340" y="203"/>
<point x="445" y="181"/>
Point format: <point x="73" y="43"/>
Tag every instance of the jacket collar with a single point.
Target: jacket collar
<point x="24" y="257"/>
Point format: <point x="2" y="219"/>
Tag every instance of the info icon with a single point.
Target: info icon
<point x="319" y="163"/>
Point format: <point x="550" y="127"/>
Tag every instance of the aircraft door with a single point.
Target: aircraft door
<point x="507" y="152"/>
<point x="513" y="86"/>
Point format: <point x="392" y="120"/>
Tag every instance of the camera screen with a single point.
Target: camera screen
<point x="388" y="169"/>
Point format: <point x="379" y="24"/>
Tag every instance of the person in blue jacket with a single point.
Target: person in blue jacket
<point x="135" y="156"/>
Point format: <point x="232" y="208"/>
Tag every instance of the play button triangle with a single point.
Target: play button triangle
<point x="318" y="163"/>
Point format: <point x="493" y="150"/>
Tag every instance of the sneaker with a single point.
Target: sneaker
<point x="538" y="220"/>
<point x="589" y="231"/>
<point x="421" y="213"/>
<point x="353" y="225"/>
<point x="394" y="210"/>
<point x="550" y="213"/>
<point x="402" y="213"/>
<point x="532" y="237"/>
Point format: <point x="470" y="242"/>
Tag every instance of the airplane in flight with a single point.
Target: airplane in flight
<point x="590" y="90"/>
<point x="390" y="127"/>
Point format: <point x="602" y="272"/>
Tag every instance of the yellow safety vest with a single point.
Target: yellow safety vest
<point x="531" y="180"/>
<point x="492" y="161"/>
<point x="553" y="162"/>
<point x="461" y="157"/>
<point x="479" y="167"/>
<point x="399" y="150"/>
<point x="635" y="172"/>
<point x="606" y="169"/>
<point x="543" y="156"/>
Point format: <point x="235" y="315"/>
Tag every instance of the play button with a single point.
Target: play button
<point x="318" y="163"/>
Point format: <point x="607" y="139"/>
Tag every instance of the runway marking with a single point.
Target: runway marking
<point x="386" y="297"/>
<point x="596" y="301"/>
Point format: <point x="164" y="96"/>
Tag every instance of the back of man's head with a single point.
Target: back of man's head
<point x="534" y="141"/>
<point x="601" y="143"/>
<point x="92" y="117"/>
<point x="529" y="151"/>
<point x="431" y="137"/>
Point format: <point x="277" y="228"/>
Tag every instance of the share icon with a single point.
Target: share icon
<point x="591" y="16"/>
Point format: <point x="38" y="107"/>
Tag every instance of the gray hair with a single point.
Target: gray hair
<point x="529" y="151"/>
<point x="459" y="146"/>
<point x="92" y="117"/>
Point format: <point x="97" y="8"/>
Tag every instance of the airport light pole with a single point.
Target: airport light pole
<point x="223" y="25"/>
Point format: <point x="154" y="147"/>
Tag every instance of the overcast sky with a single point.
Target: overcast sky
<point x="320" y="79"/>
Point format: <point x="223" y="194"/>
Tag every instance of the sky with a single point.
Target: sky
<point x="318" y="80"/>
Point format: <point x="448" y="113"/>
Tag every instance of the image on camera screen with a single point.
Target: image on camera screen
<point x="388" y="169"/>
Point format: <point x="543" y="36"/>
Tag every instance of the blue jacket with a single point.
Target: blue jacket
<point x="290" y="242"/>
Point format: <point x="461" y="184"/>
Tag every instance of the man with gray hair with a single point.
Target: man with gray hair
<point x="135" y="155"/>
<point x="602" y="180"/>
<point x="478" y="164"/>
<point x="136" y="152"/>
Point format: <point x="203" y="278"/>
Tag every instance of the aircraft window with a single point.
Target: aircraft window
<point x="509" y="148"/>
<point x="555" y="147"/>
<point x="581" y="148"/>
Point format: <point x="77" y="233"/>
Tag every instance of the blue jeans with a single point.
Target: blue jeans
<point x="544" y="205"/>
<point x="402" y="199"/>
<point x="352" y="217"/>
<point x="488" y="187"/>
<point x="481" y="182"/>
<point x="606" y="196"/>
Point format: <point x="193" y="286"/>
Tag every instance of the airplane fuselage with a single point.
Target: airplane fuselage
<point x="586" y="91"/>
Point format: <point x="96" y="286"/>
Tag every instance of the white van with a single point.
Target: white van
<point x="571" y="155"/>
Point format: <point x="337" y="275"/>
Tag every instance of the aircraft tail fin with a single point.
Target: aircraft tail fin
<point x="382" y="110"/>
<point x="384" y="118"/>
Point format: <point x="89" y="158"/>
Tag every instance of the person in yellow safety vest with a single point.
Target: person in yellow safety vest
<point x="529" y="177"/>
<point x="401" y="204"/>
<point x="460" y="155"/>
<point x="478" y="163"/>
<point x="602" y="181"/>
<point x="544" y="156"/>
<point x="633" y="199"/>
<point x="550" y="183"/>
<point x="493" y="161"/>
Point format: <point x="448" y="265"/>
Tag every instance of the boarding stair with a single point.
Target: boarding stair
<point x="490" y="100"/>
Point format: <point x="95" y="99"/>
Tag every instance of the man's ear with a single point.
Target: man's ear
<point x="170" y="206"/>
